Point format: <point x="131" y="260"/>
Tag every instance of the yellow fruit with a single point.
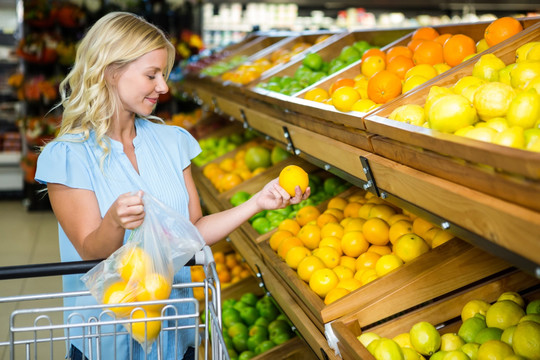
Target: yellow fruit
<point x="354" y="224"/>
<point x="425" y="338"/>
<point x="493" y="100"/>
<point x="534" y="53"/>
<point x="474" y="307"/>
<point x="289" y="225"/>
<point x="329" y="256"/>
<point x="410" y="246"/>
<point x="513" y="137"/>
<point x="338" y="214"/>
<point x="451" y="342"/>
<point x="307" y="266"/>
<point x="332" y="229"/>
<point x="353" y="243"/>
<point x="154" y="287"/>
<point x="350" y="284"/>
<point x="379" y="249"/>
<point x="367" y="260"/>
<point x="413" y="81"/>
<point x="382" y="211"/>
<point x="512" y="296"/>
<point x="469" y="92"/>
<point x="494" y="350"/>
<point x="421" y="226"/>
<point x="332" y="242"/>
<point x="442" y="67"/>
<point x="440" y="237"/>
<point x="503" y="314"/>
<point x="134" y="264"/>
<point x="388" y="349"/>
<point x="310" y="236"/>
<point x="398" y="217"/>
<point x="120" y="292"/>
<point x="466" y="81"/>
<point x="343" y="272"/>
<point x="295" y="255"/>
<point x="367" y="337"/>
<point x="287" y="245"/>
<point x="317" y="94"/>
<point x="277" y="237"/>
<point x="482" y="134"/>
<point x="524" y="110"/>
<point x="292" y="176"/>
<point x="364" y="105"/>
<point x="398" y="229"/>
<point x="487" y="67"/>
<point x="521" y="52"/>
<point x="498" y="124"/>
<point x="524" y="72"/>
<point x="376" y="231"/>
<point x="427" y="71"/>
<point x="348" y="261"/>
<point x="322" y="281"/>
<point x="142" y="330"/>
<point x="534" y="83"/>
<point x="526" y="340"/>
<point x="481" y="45"/>
<point x="403" y="340"/>
<point x="368" y="276"/>
<point x="450" y="113"/>
<point x="344" y="98"/>
<point x="387" y="263"/>
<point x="364" y="210"/>
<point x="409" y="113"/>
<point x="335" y="294"/>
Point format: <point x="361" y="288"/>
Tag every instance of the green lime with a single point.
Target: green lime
<point x="471" y="349"/>
<point x="240" y="342"/>
<point x="249" y="298"/>
<point x="246" y="355"/>
<point x="313" y="61"/>
<point x="232" y="353"/>
<point x="268" y="310"/>
<point x="278" y="326"/>
<point x="281" y="338"/>
<point x="533" y="307"/>
<point x="487" y="334"/>
<point x="278" y="154"/>
<point x="348" y="53"/>
<point x="258" y="330"/>
<point x="254" y="341"/>
<point x="264" y="346"/>
<point x="425" y="338"/>
<point x="439" y="355"/>
<point x="262" y="321"/>
<point x="239" y="197"/>
<point x="531" y="317"/>
<point x="249" y="315"/>
<point x="237" y="328"/>
<point x="262" y="225"/>
<point x="526" y="340"/>
<point x="508" y="334"/>
<point x="228" y="303"/>
<point x="230" y="316"/>
<point x="331" y="184"/>
<point x="361" y="46"/>
<point x="470" y="328"/>
<point x="239" y="306"/>
<point x="228" y="341"/>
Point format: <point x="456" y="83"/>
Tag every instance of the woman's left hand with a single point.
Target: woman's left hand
<point x="273" y="196"/>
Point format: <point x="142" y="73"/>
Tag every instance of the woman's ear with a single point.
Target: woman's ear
<point x="111" y="76"/>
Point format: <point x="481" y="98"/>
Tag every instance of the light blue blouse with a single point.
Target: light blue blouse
<point x="162" y="152"/>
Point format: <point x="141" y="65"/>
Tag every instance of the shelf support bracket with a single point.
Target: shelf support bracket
<point x="370" y="185"/>
<point x="245" y="123"/>
<point x="290" y="144"/>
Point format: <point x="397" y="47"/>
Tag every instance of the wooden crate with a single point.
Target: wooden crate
<point x="511" y="174"/>
<point x="448" y="267"/>
<point x="443" y="314"/>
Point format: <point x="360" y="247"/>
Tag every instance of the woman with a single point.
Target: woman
<point x="110" y="149"/>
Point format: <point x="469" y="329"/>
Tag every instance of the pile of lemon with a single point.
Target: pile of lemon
<point x="138" y="281"/>
<point x="352" y="242"/>
<point x="507" y="329"/>
<point x="497" y="103"/>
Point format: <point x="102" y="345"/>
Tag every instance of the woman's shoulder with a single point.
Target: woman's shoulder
<point x="164" y="130"/>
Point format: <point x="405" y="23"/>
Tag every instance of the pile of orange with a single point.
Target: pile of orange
<point x="230" y="267"/>
<point x="229" y="172"/>
<point x="384" y="75"/>
<point x="252" y="70"/>
<point x="352" y="242"/>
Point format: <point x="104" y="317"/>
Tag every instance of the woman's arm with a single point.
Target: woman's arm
<point x="216" y="226"/>
<point x="93" y="237"/>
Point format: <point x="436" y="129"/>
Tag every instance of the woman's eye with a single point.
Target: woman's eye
<point x="151" y="77"/>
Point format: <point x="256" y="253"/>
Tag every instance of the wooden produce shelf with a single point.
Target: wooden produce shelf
<point x="444" y="314"/>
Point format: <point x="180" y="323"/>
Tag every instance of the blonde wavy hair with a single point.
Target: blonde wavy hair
<point x="113" y="42"/>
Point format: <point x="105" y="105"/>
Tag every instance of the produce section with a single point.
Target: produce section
<point x="490" y="220"/>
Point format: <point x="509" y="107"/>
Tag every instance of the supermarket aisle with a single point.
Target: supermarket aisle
<point x="26" y="238"/>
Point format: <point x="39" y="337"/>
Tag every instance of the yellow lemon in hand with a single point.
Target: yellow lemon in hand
<point x="292" y="176"/>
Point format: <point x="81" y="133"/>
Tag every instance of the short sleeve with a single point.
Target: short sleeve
<point x="61" y="163"/>
<point x="188" y="146"/>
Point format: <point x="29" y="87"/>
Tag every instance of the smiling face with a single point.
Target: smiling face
<point x="141" y="82"/>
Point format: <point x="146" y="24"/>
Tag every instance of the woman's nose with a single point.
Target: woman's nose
<point x="162" y="86"/>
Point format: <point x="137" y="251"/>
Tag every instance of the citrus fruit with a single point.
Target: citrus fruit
<point x="503" y="314"/>
<point x="364" y="105"/>
<point x="474" y="307"/>
<point x="435" y="93"/>
<point x="399" y="65"/>
<point x="482" y="134"/>
<point x="380" y="249"/>
<point x="368" y="276"/>
<point x="292" y="176"/>
<point x="371" y="65"/>
<point x="387" y="263"/>
<point x="338" y="214"/>
<point x="388" y="349"/>
<point x="277" y="237"/>
<point x="494" y="350"/>
<point x="425" y="33"/>
<point x="348" y="261"/>
<point x="442" y="67"/>
<point x="455" y="355"/>
<point x="134" y="264"/>
<point x="398" y="229"/>
<point x="413" y="81"/>
<point x="398" y="50"/>
<point x="120" y="292"/>
<point x="384" y="86"/>
<point x="493" y="100"/>
<point x="332" y="229"/>
<point x="376" y="231"/>
<point x="154" y="286"/>
<point x="403" y="340"/>
<point x="287" y="245"/>
<point x="425" y="338"/>
<point x="428" y="52"/>
<point x="524" y="109"/>
<point x="353" y="243"/>
<point x="526" y="340"/>
<point x="310" y="235"/>
<point x="374" y="51"/>
<point x="367" y="337"/>
<point x="142" y="330"/>
<point x="257" y="157"/>
<point x="364" y="210"/>
<point x="295" y="255"/>
<point x="457" y="48"/>
<point x="410" y="246"/>
<point x="381" y="211"/>
<point x="351" y="209"/>
<point x="471" y="327"/>
<point x="487" y="67"/>
<point x="367" y="259"/>
<point x="451" y="342"/>
<point x="329" y="256"/>
<point x="316" y="94"/>
<point x="481" y="45"/>
<point x="409" y="113"/>
<point x="466" y="81"/>
<point x="344" y="98"/>
<point x="307" y="266"/>
<point x="450" y="113"/>
<point x="410" y="354"/>
<point x="340" y="83"/>
<point x="487" y="334"/>
<point x="306" y="214"/>
<point x="335" y="294"/>
<point x="507" y="335"/>
<point x="440" y="237"/>
<point x="343" y="272"/>
<point x="533" y="307"/>
<point x="501" y="29"/>
<point x="439" y="355"/>
<point x="471" y="349"/>
<point x="522" y="51"/>
<point x="354" y="224"/>
<point x="332" y="242"/>
<point x="322" y="281"/>
<point x="425" y="70"/>
<point x="512" y="296"/>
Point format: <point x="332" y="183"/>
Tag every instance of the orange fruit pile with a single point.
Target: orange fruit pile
<point x="352" y="242"/>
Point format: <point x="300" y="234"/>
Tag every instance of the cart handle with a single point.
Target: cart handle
<point x="53" y="269"/>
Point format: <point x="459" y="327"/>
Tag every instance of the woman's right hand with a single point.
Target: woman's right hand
<point x="128" y="210"/>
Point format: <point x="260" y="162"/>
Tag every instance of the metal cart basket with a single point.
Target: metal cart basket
<point x="33" y="331"/>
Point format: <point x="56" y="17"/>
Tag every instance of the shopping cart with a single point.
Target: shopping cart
<point x="34" y="330"/>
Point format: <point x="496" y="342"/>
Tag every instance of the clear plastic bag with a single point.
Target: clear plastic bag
<point x="144" y="267"/>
